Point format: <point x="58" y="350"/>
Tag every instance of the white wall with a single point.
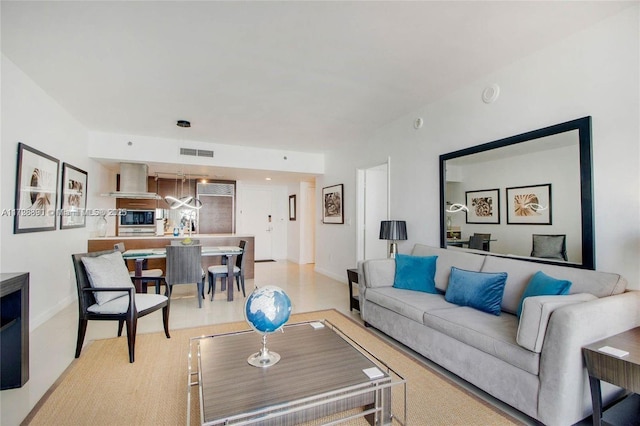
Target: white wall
<point x="30" y="116"/>
<point x="594" y="72"/>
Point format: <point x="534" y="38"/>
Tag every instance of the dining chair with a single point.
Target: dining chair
<point x="184" y="266"/>
<point x="222" y="271"/>
<point x="476" y="242"/>
<point x="148" y="276"/>
<point x="486" y="240"/>
<point x="549" y="246"/>
<point x="106" y="293"/>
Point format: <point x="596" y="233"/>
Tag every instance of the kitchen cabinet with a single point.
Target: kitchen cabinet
<point x="135" y="204"/>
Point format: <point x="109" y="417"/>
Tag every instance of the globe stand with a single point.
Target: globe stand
<point x="264" y="358"/>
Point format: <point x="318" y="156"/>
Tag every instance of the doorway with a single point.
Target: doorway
<point x="373" y="207"/>
<point x="257" y="216"/>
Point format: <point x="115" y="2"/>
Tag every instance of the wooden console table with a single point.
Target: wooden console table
<point x="621" y="371"/>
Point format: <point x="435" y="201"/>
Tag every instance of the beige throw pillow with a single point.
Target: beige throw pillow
<point x="107" y="271"/>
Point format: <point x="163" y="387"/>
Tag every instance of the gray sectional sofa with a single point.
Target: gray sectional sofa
<point x="533" y="363"/>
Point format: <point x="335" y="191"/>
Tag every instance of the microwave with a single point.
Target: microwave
<point x="138" y="218"/>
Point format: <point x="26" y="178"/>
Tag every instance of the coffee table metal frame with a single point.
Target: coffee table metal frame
<point x="380" y="387"/>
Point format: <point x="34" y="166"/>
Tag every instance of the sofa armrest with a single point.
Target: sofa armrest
<point x="536" y="312"/>
<point x="378" y="272"/>
<point x="562" y="372"/>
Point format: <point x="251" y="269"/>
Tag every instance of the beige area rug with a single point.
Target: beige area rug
<point x="103" y="388"/>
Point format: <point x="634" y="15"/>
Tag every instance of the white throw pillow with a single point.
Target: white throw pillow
<point x="107" y="271"/>
<point x="536" y="311"/>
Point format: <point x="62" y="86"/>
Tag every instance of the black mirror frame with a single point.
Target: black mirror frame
<point x="583" y="125"/>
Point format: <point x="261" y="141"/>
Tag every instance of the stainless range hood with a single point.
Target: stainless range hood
<point x="133" y="183"/>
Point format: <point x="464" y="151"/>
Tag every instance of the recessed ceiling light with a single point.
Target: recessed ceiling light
<point x="267" y="178"/>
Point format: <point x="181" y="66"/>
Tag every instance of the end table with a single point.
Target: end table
<point x="354" y="301"/>
<point x="621" y="371"/>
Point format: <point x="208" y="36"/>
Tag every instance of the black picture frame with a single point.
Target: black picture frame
<point x="73" y="200"/>
<point x="483" y="206"/>
<point x="36" y="194"/>
<point x="292" y="207"/>
<point x="333" y="204"/>
<point x="529" y="205"/>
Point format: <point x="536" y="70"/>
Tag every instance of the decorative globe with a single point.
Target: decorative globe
<point x="267" y="309"/>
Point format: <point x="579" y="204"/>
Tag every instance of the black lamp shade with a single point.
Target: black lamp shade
<point x="393" y="230"/>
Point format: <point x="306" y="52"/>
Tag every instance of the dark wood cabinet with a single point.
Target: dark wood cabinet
<point x="14" y="330"/>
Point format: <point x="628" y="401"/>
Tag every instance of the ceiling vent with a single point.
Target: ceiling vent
<point x="215" y="189"/>
<point x="196" y="152"/>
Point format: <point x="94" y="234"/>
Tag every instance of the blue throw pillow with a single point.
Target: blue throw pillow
<point x="542" y="284"/>
<point x="415" y="273"/>
<point x="479" y="290"/>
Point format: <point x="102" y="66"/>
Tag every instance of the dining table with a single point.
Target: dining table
<point x="140" y="255"/>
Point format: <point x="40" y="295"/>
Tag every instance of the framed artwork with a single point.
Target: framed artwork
<point x="529" y="205"/>
<point x="74" y="197"/>
<point x="292" y="207"/>
<point x="483" y="206"/>
<point x="36" y="191"/>
<point x="332" y="208"/>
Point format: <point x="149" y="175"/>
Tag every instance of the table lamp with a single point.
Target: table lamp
<point x="393" y="230"/>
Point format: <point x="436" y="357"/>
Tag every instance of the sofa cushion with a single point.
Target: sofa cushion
<point x="415" y="273"/>
<point x="600" y="284"/>
<point x="410" y="304"/>
<point x="542" y="284"/>
<point x="480" y="290"/>
<point x="107" y="271"/>
<point x="494" y="335"/>
<point x="446" y="259"/>
<point x="535" y="316"/>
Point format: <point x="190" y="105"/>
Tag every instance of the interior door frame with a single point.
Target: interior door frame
<point x="361" y="205"/>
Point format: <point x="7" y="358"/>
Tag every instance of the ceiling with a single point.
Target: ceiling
<point x="302" y="76"/>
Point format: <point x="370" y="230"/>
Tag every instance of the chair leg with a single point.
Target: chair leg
<point x="165" y="320"/>
<point x="82" y="330"/>
<point x="132" y="324"/>
<point x="200" y="293"/>
<point x="210" y="282"/>
<point x="242" y="281"/>
<point x="212" y="286"/>
<point x="120" y="325"/>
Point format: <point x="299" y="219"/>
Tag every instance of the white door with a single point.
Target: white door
<point x="257" y="219"/>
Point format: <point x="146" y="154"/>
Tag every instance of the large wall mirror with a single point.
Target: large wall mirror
<point x="501" y="196"/>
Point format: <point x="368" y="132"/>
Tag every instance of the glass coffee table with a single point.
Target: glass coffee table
<point x="322" y="374"/>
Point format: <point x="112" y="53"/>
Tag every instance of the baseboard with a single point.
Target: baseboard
<point x="37" y="321"/>
<point x="339" y="278"/>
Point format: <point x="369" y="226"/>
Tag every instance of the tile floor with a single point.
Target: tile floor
<point x="52" y="345"/>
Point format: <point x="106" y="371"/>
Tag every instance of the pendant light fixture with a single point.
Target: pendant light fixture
<point x="186" y="202"/>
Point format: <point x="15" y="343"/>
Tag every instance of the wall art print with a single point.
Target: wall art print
<point x="36" y="191"/>
<point x="332" y="207"/>
<point x="74" y="197"/>
<point x="483" y="206"/>
<point x="529" y="205"/>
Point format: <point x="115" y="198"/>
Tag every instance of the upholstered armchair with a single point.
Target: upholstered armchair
<point x="106" y="293"/>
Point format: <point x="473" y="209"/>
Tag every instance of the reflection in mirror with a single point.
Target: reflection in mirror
<point x="505" y="192"/>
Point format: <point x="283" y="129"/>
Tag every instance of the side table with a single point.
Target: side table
<point x="621" y="371"/>
<point x="354" y="301"/>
